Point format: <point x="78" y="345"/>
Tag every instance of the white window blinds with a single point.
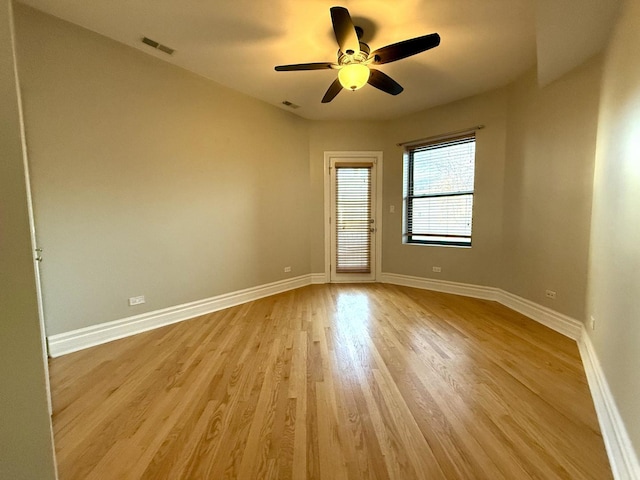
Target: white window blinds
<point x="439" y="192"/>
<point x="353" y="218"/>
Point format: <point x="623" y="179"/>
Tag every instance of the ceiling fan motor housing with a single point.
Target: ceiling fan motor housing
<point x="360" y="57"/>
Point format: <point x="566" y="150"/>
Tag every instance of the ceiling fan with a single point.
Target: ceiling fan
<point x="355" y="58"/>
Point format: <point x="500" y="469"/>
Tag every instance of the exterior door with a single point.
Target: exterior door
<point x="353" y="218"/>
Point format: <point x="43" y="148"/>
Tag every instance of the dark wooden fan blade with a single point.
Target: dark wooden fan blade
<point x="334" y="90"/>
<point x="384" y="82"/>
<point x="346" y="35"/>
<point x="405" y="49"/>
<point x="304" y="66"/>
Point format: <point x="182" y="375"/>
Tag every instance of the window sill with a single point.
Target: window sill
<point x="449" y="245"/>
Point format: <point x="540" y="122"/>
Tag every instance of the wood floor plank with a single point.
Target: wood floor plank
<point x="366" y="381"/>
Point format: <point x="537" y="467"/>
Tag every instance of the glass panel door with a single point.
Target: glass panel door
<point x="352" y="220"/>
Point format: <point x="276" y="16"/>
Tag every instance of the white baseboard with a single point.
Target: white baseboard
<point x="622" y="456"/>
<point x="563" y="324"/>
<point x="75" y="340"/>
<point x="318" y="278"/>
<point x="624" y="462"/>
<point x="82" y="338"/>
<point x="464" y="289"/>
<point x="567" y="326"/>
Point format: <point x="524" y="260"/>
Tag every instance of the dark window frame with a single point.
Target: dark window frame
<point x="409" y="181"/>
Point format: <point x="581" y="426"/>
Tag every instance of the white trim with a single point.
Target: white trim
<point x="327" y="214"/>
<point x="465" y="289"/>
<point x="563" y="324"/>
<point x="622" y="456"/>
<point x="318" y="278"/>
<point x="567" y="326"/>
<point x="82" y="338"/>
<point x="378" y="156"/>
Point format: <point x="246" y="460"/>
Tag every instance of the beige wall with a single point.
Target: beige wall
<point x="149" y="180"/>
<point x="547" y="187"/>
<point x="26" y="450"/>
<point x="614" y="273"/>
<point x="152" y="181"/>
<point x="479" y="264"/>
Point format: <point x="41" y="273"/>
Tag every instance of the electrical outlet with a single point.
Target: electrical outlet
<point x="550" y="294"/>
<point x="593" y="323"/>
<point x="136" y="300"/>
<point x="287" y="269"/>
<point x="436" y="269"/>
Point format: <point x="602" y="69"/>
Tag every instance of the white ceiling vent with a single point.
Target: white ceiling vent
<point x="158" y="46"/>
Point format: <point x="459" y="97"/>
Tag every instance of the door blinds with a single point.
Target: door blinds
<point x="354" y="223"/>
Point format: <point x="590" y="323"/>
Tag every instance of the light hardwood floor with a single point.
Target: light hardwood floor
<point x="332" y="382"/>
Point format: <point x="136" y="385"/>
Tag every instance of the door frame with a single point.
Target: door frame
<point x="377" y="208"/>
<point x="37" y="257"/>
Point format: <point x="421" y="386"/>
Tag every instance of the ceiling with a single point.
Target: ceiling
<point x="485" y="44"/>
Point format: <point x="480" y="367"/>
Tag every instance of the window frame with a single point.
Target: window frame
<point x="409" y="198"/>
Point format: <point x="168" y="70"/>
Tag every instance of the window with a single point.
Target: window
<point x="438" y="191"/>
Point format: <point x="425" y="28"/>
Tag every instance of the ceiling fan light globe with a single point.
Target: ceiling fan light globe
<point x="354" y="76"/>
